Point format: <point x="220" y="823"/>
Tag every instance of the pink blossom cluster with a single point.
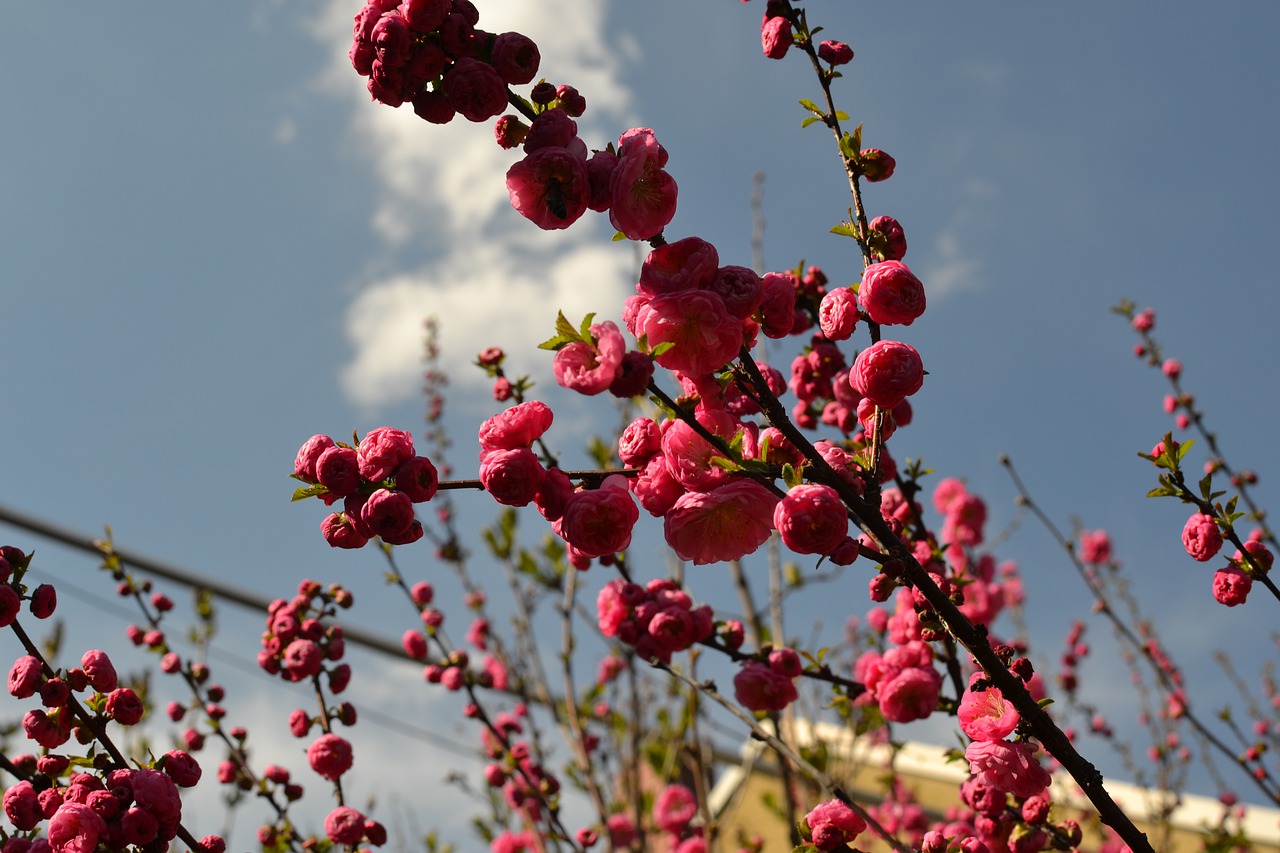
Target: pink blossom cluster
<point x="556" y="182"/>
<point x="1233" y="582"/>
<point x="901" y="681"/>
<point x="300" y="642"/>
<point x="42" y="600"/>
<point x="379" y="480"/>
<point x="673" y="812"/>
<point x="832" y="825"/>
<point x="121" y="809"/>
<point x="432" y="53"/>
<point x="1006" y="767"/>
<point x="526" y="784"/>
<point x="658" y="619"/>
<point x="768" y="685"/>
<point x="55" y="722"/>
<point x="345" y="825"/>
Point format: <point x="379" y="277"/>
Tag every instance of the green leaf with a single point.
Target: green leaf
<point x="791" y="476"/>
<point x="585" y="328"/>
<point x="857" y="138"/>
<point x="618" y="236"/>
<point x="812" y="107"/>
<point x="556" y="343"/>
<point x="1045" y="702"/>
<point x="848" y="147"/>
<point x="661" y="348"/>
<point x="841" y="114"/>
<point x="304" y="492"/>
<point x="726" y="464"/>
<point x="844" y="229"/>
<point x="808" y="120"/>
<point x="1162" y="492"/>
<point x="1206" y="484"/>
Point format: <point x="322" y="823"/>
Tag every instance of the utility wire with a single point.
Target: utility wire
<point x="177" y="574"/>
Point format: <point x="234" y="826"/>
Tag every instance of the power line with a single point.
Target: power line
<point x="177" y="574"/>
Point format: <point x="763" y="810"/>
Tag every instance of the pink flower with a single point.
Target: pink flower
<point x="24" y="677"/>
<point x="912" y="694"/>
<point x="511" y="476"/>
<point x="22" y="806"/>
<point x="344" y="825"/>
<point x="101" y="672"/>
<point x="44" y="600"/>
<point x="689" y="455"/>
<point x="1231" y="586"/>
<point x="423" y="16"/>
<point x="887" y="372"/>
<point x="891" y="294"/>
<point x="1007" y="767"/>
<point x="643" y="196"/>
<point x="552" y="129"/>
<point x="338" y="470"/>
<point x="330" y="756"/>
<point x="812" y="519"/>
<point x="1172" y="368"/>
<point x="124" y="706"/>
<point x="888" y="240"/>
<point x="515" y="57"/>
<point x="1095" y="547"/>
<point x="835" y="52"/>
<point x="340" y="532"/>
<point x="876" y="164"/>
<point x="156" y="793"/>
<point x="948" y="491"/>
<point x="598" y="522"/>
<point x="382" y="451"/>
<point x="639" y="442"/>
<point x="688" y="264"/>
<point x="418" y="479"/>
<point x="516" y="427"/>
<point x="741" y="289"/>
<point x="302" y="658"/>
<point x="838" y="314"/>
<point x="987" y="715"/>
<point x="475" y="89"/>
<point x="550" y="188"/>
<point x="761" y="688"/>
<point x="775" y="37"/>
<point x="656" y="487"/>
<point x="674" y="808"/>
<point x="75" y="828"/>
<point x="387" y="513"/>
<point x="182" y="768"/>
<point x="778" y="311"/>
<point x="1145" y="320"/>
<point x="726" y="523"/>
<point x="590" y="368"/>
<point x="1201" y="537"/>
<point x="833" y="825"/>
<point x="304" y="464"/>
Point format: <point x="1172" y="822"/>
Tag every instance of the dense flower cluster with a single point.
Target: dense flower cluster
<point x="379" y="480"/>
<point x="658" y="619"/>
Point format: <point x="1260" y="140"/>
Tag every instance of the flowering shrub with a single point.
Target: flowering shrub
<point x="711" y="449"/>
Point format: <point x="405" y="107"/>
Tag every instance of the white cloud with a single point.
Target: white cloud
<point x="484" y="296"/>
<point x="443" y="187"/>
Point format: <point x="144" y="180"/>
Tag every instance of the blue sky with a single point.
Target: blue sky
<point x="214" y="246"/>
